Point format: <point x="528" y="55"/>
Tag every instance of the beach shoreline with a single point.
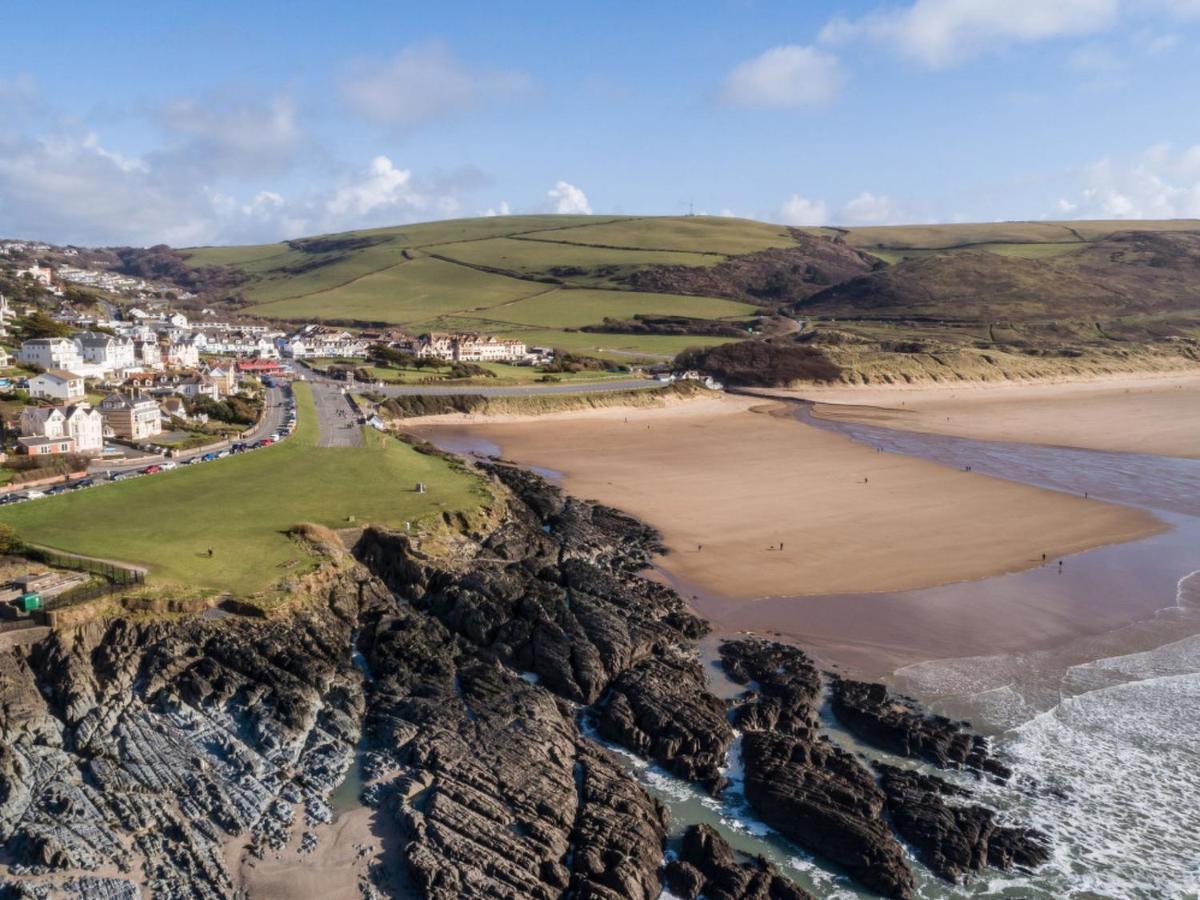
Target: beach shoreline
<point x="729" y="481"/>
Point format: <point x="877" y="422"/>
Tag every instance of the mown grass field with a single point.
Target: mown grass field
<point x="242" y="506"/>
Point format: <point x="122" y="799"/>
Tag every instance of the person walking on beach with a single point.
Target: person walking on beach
<point x="699" y="547"/>
<point x="210" y="552"/>
<point x="781" y="545"/>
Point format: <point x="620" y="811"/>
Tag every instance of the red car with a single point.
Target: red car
<point x="151" y="470"/>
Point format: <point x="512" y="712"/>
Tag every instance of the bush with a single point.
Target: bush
<point x="761" y="363"/>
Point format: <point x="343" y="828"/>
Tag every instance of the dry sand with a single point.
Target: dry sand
<point x="1157" y="414"/>
<point x="740" y="477"/>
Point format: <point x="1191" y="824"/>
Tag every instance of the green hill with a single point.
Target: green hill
<point x="544" y="278"/>
<point x="1121" y="294"/>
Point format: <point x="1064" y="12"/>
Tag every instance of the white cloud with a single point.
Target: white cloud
<point x="870" y="209"/>
<point x="941" y="33"/>
<point x="787" y="76"/>
<point x="233" y="136"/>
<point x="383" y="186"/>
<point x="423" y="82"/>
<point x="797" y="210"/>
<point x="1160" y="184"/>
<point x="502" y="209"/>
<point x="566" y="199"/>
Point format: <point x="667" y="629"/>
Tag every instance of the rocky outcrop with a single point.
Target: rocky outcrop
<point x="825" y="800"/>
<point x="707" y="866"/>
<point x="796" y="781"/>
<point x="898" y="725"/>
<point x="149" y="746"/>
<point x="952" y="840"/>
<point x="662" y="709"/>
<point x="554" y="591"/>
<point x="785" y="688"/>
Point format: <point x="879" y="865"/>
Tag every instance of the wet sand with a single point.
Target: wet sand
<point x="1156" y="414"/>
<point x="738" y="478"/>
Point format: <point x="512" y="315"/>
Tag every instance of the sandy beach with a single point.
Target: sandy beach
<point x="1158" y="414"/>
<point x="730" y="481"/>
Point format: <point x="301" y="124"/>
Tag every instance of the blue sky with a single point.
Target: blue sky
<point x="225" y="122"/>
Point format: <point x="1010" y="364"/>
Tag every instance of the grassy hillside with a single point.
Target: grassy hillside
<point x="1071" y="289"/>
<point x="541" y="277"/>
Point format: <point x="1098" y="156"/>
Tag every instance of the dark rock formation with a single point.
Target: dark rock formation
<point x="785" y="688"/>
<point x="707" y="865"/>
<point x="825" y="800"/>
<point x="661" y="709"/>
<point x="897" y="725"/>
<point x="810" y="791"/>
<point x="954" y="840"/>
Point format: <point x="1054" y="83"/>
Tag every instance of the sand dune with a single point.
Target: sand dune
<point x="730" y="480"/>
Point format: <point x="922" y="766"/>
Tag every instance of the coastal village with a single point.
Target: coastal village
<point x="110" y="386"/>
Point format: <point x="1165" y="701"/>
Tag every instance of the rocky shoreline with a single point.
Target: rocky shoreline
<point x="141" y="752"/>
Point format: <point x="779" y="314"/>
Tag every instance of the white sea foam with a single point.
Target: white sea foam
<point x="1118" y="769"/>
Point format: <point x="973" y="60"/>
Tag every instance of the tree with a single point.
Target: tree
<point x="39" y="325"/>
<point x="8" y="538"/>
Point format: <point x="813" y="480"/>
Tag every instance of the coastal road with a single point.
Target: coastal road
<point x="479" y="390"/>
<point x="524" y="390"/>
<point x="335" y="416"/>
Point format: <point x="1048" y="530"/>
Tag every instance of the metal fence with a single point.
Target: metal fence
<point x="116" y="575"/>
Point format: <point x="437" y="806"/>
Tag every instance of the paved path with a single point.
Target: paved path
<point x="335" y="417"/>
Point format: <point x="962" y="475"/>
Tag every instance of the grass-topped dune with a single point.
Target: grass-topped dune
<point x="245" y="507"/>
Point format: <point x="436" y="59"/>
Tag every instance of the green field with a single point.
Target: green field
<point x="400" y="294"/>
<point x="242" y="506"/>
<point x="694" y="234"/>
<point x="576" y="308"/>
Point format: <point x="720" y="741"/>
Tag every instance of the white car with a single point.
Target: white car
<point x="167" y="465"/>
<point x="34" y="495"/>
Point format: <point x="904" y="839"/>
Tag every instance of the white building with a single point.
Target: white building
<point x="106" y="352"/>
<point x="79" y="422"/>
<point x="56" y="384"/>
<point x="50" y="353"/>
<point x="182" y="355"/>
<point x="469" y="348"/>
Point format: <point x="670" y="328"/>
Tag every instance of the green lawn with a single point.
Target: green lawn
<point x="622" y="348"/>
<point x="241" y="507"/>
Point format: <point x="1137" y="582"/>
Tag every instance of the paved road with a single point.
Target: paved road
<point x="524" y="390"/>
<point x="336" y="418"/>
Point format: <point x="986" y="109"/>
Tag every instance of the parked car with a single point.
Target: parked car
<point x="151" y="470"/>
<point x="167" y="465"/>
<point x="34" y="495"/>
<point x="85" y="482"/>
<point x="57" y="489"/>
<point x="208" y="457"/>
<point x="10" y="498"/>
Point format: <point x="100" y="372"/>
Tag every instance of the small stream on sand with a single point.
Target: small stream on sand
<point x="1100" y="717"/>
